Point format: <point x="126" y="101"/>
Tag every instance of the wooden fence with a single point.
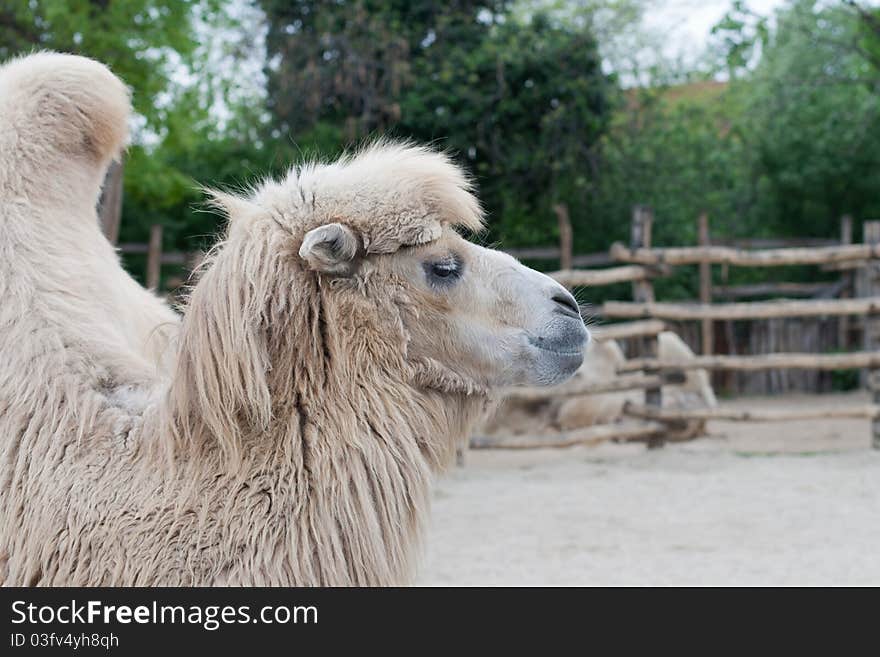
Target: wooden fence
<point x="854" y="300"/>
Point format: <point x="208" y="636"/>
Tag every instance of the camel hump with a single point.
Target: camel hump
<point x="64" y="104"/>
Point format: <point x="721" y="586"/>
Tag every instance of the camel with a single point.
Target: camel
<point x="339" y="342"/>
<point x="516" y="416"/>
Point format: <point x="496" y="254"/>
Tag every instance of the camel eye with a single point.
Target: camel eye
<point x="444" y="271"/>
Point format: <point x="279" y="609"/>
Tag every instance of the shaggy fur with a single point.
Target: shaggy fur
<point x="278" y="435"/>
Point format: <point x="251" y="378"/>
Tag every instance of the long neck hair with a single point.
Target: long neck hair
<point x="282" y="371"/>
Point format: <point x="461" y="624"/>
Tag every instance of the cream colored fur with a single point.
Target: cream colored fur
<point x="285" y="432"/>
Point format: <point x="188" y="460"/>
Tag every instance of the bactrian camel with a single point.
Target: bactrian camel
<point x="340" y="341"/>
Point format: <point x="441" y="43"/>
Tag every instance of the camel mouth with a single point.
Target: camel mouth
<point x="556" y="352"/>
<point x="567" y="343"/>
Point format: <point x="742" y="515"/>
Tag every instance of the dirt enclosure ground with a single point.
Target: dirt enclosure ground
<point x="783" y="503"/>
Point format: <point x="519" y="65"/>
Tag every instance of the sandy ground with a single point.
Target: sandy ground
<point x="773" y="503"/>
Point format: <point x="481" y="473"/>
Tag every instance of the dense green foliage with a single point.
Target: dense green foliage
<point x="812" y="112"/>
<point x="521" y="102"/>
<point x="516" y="91"/>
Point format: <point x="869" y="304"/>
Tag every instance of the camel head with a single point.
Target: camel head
<point x="475" y="314"/>
<point x="472" y="317"/>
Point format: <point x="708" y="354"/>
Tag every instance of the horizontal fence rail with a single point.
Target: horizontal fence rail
<point x="866" y="411"/>
<point x="773" y="242"/>
<point x="849" y="361"/>
<point x="774" y="290"/>
<point x="591" y="436"/>
<point x="183" y="258"/>
<point x="554" y="253"/>
<point x="692" y="255"/>
<point x="623" y="330"/>
<point x="609" y="276"/>
<point x="744" y="310"/>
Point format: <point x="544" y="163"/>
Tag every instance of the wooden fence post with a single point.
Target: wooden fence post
<point x="869" y="286"/>
<point x="565" y="236"/>
<point x="706" y="285"/>
<point x="154" y="257"/>
<point x="728" y="380"/>
<point x="110" y="205"/>
<point x="640" y="238"/>
<point x="843" y="323"/>
<point x="643" y="292"/>
<point x="846" y="225"/>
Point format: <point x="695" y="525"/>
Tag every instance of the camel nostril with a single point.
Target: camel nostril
<point x="568" y="303"/>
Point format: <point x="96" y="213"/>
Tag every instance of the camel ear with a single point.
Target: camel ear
<point x="330" y="249"/>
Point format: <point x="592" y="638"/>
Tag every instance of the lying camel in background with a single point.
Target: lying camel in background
<point x="516" y="416"/>
<point x="340" y="342"/>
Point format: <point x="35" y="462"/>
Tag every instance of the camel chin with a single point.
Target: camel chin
<point x="557" y="353"/>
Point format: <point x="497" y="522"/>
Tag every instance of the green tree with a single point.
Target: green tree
<point x="337" y="70"/>
<point x="520" y="99"/>
<point x="525" y="109"/>
<point x="810" y="111"/>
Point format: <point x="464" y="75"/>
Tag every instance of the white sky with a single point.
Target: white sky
<point x="687" y="23"/>
<point x="681" y="28"/>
